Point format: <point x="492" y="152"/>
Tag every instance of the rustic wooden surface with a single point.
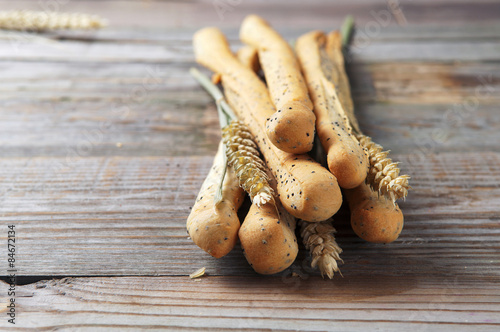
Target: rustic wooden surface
<point x="105" y="141"/>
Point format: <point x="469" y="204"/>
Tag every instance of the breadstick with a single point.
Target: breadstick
<point x="373" y="218"/>
<point x="214" y="228"/>
<point x="345" y="157"/>
<point x="291" y="128"/>
<point x="306" y="189"/>
<point x="268" y="239"/>
<point x="383" y="175"/>
<point x="249" y="57"/>
<point x="339" y="77"/>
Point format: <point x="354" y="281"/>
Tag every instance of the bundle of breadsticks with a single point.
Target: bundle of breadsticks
<point x="268" y="131"/>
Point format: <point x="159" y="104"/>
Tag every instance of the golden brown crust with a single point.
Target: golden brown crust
<point x="216" y="78"/>
<point x="339" y="77"/>
<point x="292" y="128"/>
<point x="268" y="240"/>
<point x="316" y="195"/>
<point x="286" y="85"/>
<point x="373" y="217"/>
<point x="306" y="189"/>
<point x="215" y="228"/>
<point x="346" y="158"/>
<point x="249" y="57"/>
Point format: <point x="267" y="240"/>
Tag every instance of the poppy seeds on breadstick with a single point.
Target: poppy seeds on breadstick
<point x="288" y="127"/>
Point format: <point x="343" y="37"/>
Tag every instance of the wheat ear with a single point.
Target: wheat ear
<point x="383" y="175"/>
<point x="318" y="238"/>
<point x="40" y="20"/>
<point x="243" y="155"/>
<point x="241" y="151"/>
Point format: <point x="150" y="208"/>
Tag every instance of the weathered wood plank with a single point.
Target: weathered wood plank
<point x="398" y="82"/>
<point x="379" y="38"/>
<point x="156" y="123"/>
<point x="419" y="83"/>
<point x="366" y="51"/>
<point x="93" y="127"/>
<point x="178" y="14"/>
<point x="160" y="110"/>
<point x="446" y="128"/>
<point x="437" y="31"/>
<point x="169" y="123"/>
<point x="126" y="216"/>
<point x="430" y="302"/>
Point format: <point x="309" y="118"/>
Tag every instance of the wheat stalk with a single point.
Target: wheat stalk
<point x="40" y="20"/>
<point x="243" y="155"/>
<point x="318" y="238"/>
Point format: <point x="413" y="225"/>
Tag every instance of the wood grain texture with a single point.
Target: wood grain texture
<point x="161" y="14"/>
<point x="105" y="140"/>
<point x="370" y="51"/>
<point x="248" y="303"/>
<point x="158" y="109"/>
<point x="126" y="216"/>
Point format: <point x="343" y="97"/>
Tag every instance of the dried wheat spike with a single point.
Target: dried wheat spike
<point x="40" y="20"/>
<point x="243" y="156"/>
<point x="319" y="240"/>
<point x="383" y="175"/>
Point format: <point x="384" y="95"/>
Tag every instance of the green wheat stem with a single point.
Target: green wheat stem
<point x="226" y="115"/>
<point x="347" y="30"/>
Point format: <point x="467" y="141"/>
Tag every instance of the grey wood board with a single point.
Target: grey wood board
<point x="126" y="216"/>
<point x="432" y="302"/>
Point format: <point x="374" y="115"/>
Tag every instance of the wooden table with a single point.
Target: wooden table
<point x="106" y="139"/>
